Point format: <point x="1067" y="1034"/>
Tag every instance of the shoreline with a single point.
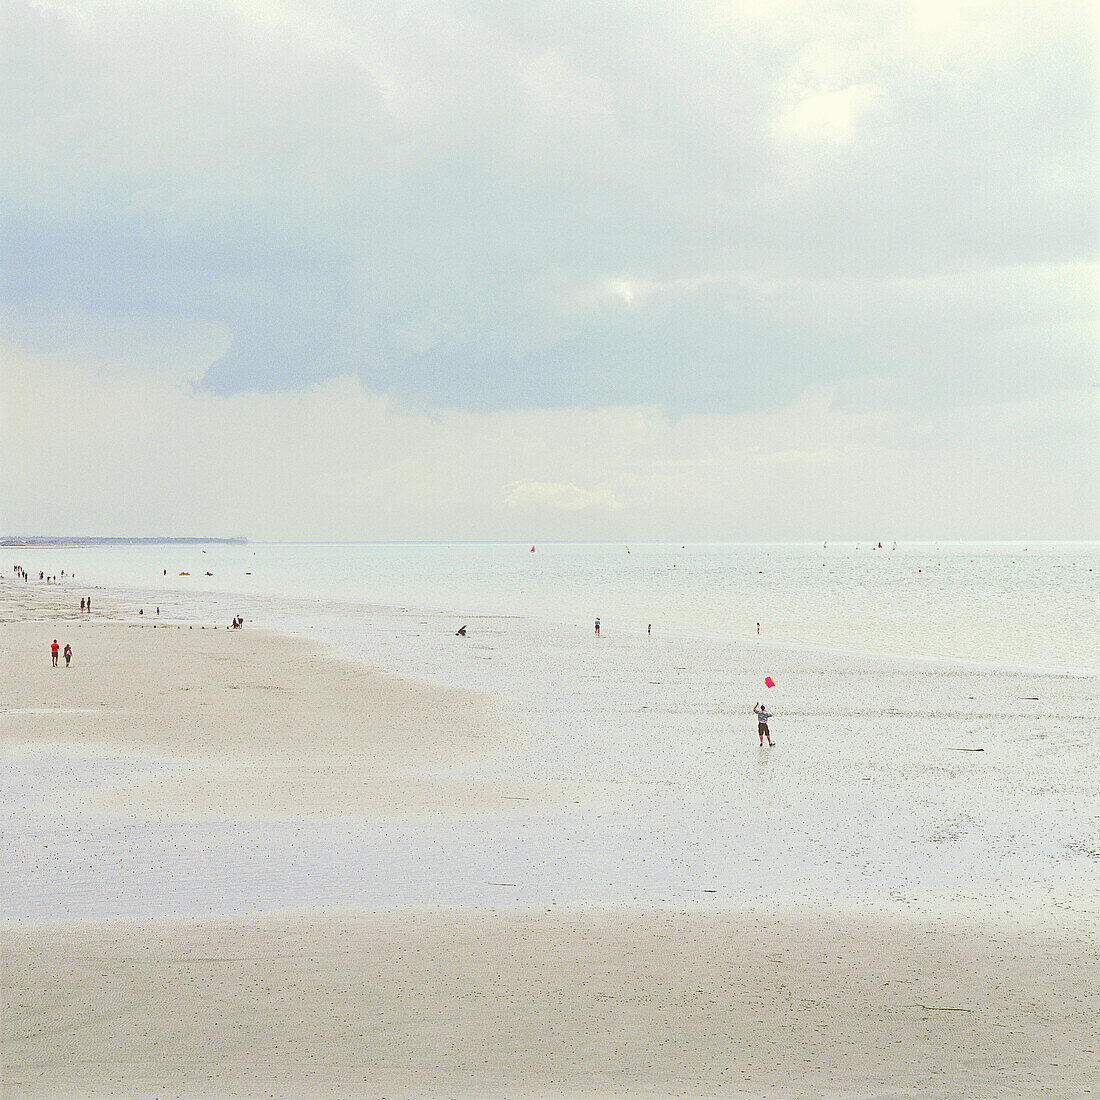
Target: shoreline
<point x="115" y="594"/>
<point x="962" y="611"/>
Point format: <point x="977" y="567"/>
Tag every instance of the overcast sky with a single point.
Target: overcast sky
<point x="442" y="270"/>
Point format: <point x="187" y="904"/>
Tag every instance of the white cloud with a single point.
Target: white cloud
<point x="829" y="116"/>
<point x="554" y="495"/>
<point x="792" y="457"/>
<point x="492" y="206"/>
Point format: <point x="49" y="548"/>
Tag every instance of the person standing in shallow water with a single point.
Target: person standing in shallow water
<point x="762" y="716"/>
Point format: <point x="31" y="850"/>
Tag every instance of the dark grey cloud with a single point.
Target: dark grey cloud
<point x="495" y="205"/>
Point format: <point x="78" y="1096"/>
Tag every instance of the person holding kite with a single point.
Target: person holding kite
<point x="762" y="716"/>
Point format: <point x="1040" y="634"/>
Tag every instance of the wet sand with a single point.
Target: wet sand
<point x="746" y="999"/>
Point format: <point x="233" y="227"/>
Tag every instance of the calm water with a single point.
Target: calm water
<point x="1033" y="604"/>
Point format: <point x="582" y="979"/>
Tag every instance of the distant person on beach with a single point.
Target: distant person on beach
<point x="89" y="603"/>
<point x="53" y="652"/>
<point x="649" y="629"/>
<point x="81" y="603"/>
<point x="597" y="628"/>
<point x="757" y="628"/>
<point x="762" y="717"/>
<point x="68" y="654"/>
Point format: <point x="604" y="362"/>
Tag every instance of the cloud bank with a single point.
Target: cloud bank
<point x="572" y="261"/>
<point x="436" y="198"/>
<point x="337" y="462"/>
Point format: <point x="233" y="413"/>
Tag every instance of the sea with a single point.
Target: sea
<point x="1033" y="604"/>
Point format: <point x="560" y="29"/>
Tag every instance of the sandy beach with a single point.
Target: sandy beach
<point x="496" y="1004"/>
<point x="281" y="727"/>
<point x="157" y="736"/>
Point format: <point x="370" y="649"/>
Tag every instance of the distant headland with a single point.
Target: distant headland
<point x="51" y="540"/>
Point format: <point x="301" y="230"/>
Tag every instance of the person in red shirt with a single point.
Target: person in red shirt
<point x="53" y="650"/>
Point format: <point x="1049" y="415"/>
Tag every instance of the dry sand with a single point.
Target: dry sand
<point x="281" y="727"/>
<point x="473" y="1001"/>
<point x="488" y="1004"/>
